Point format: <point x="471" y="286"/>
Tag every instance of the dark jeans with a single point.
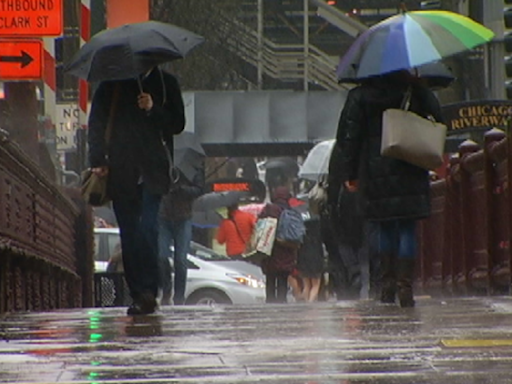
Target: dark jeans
<point x="179" y="233"/>
<point x="397" y="237"/>
<point x="276" y="287"/>
<point x="138" y="228"/>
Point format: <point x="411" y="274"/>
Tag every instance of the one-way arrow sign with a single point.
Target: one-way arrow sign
<point x="24" y="59"/>
<point x="21" y="59"/>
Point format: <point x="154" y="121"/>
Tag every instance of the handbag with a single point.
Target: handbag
<point x="94" y="187"/>
<point x="409" y="137"/>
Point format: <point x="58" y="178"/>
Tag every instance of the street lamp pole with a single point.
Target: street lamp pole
<point x="495" y="50"/>
<point x="306" y="44"/>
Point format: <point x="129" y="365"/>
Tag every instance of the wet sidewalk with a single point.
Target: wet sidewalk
<point x="440" y="341"/>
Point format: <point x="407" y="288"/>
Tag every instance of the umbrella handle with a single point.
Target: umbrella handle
<point x="139" y="82"/>
<point x="175" y="175"/>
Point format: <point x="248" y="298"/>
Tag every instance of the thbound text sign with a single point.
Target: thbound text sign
<point x="21" y="59"/>
<point x="31" y="18"/>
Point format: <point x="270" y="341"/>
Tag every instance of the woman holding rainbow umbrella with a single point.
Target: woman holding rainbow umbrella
<point x="395" y="193"/>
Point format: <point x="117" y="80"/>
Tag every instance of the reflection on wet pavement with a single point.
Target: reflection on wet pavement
<point x="452" y="341"/>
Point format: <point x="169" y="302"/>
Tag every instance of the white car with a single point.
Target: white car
<point x="212" y="278"/>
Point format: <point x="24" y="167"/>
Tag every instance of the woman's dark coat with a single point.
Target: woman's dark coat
<point x="136" y="149"/>
<point x="391" y="189"/>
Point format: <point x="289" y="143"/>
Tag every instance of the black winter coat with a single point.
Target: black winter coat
<point x="345" y="213"/>
<point x="136" y="148"/>
<point x="391" y="189"/>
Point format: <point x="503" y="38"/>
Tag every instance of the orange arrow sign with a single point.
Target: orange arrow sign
<point x="21" y="60"/>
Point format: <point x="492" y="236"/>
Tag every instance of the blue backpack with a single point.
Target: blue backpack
<point x="290" y="228"/>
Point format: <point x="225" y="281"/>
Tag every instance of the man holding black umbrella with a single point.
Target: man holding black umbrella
<point x="135" y="112"/>
<point x="143" y="113"/>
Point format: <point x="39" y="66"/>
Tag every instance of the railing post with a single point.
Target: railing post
<point x="453" y="215"/>
<point x="466" y="148"/>
<point x="491" y="138"/>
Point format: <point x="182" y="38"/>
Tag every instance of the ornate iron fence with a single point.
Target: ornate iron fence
<point x="45" y="238"/>
<point x="465" y="244"/>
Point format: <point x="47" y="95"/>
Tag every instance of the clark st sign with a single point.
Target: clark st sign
<point x="24" y="18"/>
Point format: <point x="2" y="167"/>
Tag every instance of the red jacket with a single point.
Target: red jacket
<point x="236" y="240"/>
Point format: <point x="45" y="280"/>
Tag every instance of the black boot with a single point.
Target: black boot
<point x="388" y="279"/>
<point x="405" y="280"/>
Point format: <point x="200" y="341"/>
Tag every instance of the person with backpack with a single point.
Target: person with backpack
<point x="281" y="264"/>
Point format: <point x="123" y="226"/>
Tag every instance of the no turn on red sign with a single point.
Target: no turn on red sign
<point x="31" y="18"/>
<point x="21" y="59"/>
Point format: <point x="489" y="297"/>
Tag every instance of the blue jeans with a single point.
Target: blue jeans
<point x="138" y="228"/>
<point x="179" y="233"/>
<point x="397" y="237"/>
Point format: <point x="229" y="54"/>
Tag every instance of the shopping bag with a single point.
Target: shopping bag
<point x="412" y="138"/>
<point x="94" y="188"/>
<point x="264" y="236"/>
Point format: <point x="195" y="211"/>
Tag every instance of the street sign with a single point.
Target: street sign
<point x="21" y="59"/>
<point x="31" y="18"/>
<point x="66" y="125"/>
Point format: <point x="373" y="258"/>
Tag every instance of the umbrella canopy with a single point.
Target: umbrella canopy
<point x="188" y="154"/>
<point x="436" y="75"/>
<point x="127" y="51"/>
<point x="215" y="200"/>
<point x="317" y="161"/>
<point x="412" y="39"/>
<point x="286" y="164"/>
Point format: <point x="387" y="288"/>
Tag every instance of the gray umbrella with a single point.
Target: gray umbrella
<point x="127" y="51"/>
<point x="215" y="200"/>
<point x="188" y="154"/>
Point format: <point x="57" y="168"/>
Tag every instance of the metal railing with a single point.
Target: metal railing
<point x="286" y="62"/>
<point x="465" y="243"/>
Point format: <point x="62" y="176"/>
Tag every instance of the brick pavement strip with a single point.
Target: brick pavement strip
<point x="466" y="340"/>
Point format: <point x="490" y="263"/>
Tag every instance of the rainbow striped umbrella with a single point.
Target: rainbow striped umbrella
<point x="411" y="39"/>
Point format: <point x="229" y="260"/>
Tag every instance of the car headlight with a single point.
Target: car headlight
<point x="248" y="280"/>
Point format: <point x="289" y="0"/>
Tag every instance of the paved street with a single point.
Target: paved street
<point x="440" y="341"/>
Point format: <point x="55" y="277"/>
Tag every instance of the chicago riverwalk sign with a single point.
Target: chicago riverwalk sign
<point x="21" y="59"/>
<point x="475" y="116"/>
<point x="23" y="18"/>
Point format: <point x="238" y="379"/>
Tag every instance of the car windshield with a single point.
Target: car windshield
<point x="205" y="253"/>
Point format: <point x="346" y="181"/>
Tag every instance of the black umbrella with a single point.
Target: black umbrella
<point x="215" y="200"/>
<point x="127" y="51"/>
<point x="436" y="75"/>
<point x="188" y="154"/>
<point x="287" y="164"/>
<point x="207" y="219"/>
